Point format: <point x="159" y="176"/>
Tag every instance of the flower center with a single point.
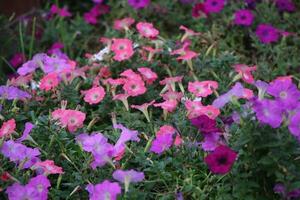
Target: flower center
<point x="283" y="95"/>
<point x="222" y="160"/>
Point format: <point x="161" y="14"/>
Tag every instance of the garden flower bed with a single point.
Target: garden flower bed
<point x="143" y="99"/>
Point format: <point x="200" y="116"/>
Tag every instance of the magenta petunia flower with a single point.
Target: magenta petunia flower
<point x="214" y="6"/>
<point x="199" y="11"/>
<point x="267" y="33"/>
<point x="285" y="92"/>
<point x="243" y="17"/>
<point x="17" y="60"/>
<point x="104" y="190"/>
<point x="268" y="112"/>
<point x="162" y="143"/>
<point x="285" y="5"/>
<point x="127" y="177"/>
<point x="36" y="189"/>
<point x="205" y="124"/>
<point x="221" y="160"/>
<point x="138" y="4"/>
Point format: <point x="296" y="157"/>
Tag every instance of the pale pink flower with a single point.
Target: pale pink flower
<point x="148" y="75"/>
<point x="151" y="51"/>
<point x="123" y="24"/>
<point x="147" y="30"/>
<point x="210" y="111"/>
<point x="49" y="81"/>
<point x="202" y="88"/>
<point x="193" y="108"/>
<point x="7" y="128"/>
<point x="184" y="52"/>
<point x="94" y="95"/>
<point x="172" y="95"/>
<point x="169" y="82"/>
<point x="48" y="167"/>
<point x="245" y="72"/>
<point x="123" y="98"/>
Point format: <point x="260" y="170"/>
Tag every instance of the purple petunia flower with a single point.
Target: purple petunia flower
<point x="294" y="125"/>
<point x="279" y="188"/>
<point x="11" y="93"/>
<point x="236" y="91"/>
<point x="28" y="127"/>
<point x="104" y="190"/>
<point x="99" y="147"/>
<point x="55" y="64"/>
<point x="221" y="160"/>
<point x="268" y="112"/>
<point x="262" y="88"/>
<point x="126" y="135"/>
<point x="31" y="65"/>
<point x="267" y="33"/>
<point x="214" y="6"/>
<point x="285" y="92"/>
<point x="138" y="4"/>
<point x="127" y="177"/>
<point x="36" y="189"/>
<point x="18" y="153"/>
<point x="161" y="143"/>
<point x="285" y="5"/>
<point x="243" y="17"/>
<point x="211" y="142"/>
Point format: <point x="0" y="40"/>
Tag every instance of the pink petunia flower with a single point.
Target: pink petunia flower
<point x="245" y="72"/>
<point x="123" y="24"/>
<point x="48" y="167"/>
<point x="203" y="88"/>
<point x="134" y="87"/>
<point x="188" y="33"/>
<point x="148" y="75"/>
<point x="94" y="95"/>
<point x="147" y="30"/>
<point x="72" y="119"/>
<point x="7" y="128"/>
<point x="144" y="108"/>
<point x="63" y="12"/>
<point x="122" y="48"/>
<point x="49" y="81"/>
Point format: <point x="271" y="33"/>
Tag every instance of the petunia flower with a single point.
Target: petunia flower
<point x="205" y="124"/>
<point x="49" y="81"/>
<point x="245" y="72"/>
<point x="11" y="93"/>
<point x="188" y="33"/>
<point x="63" y="12"/>
<point x="243" y="17"/>
<point x="36" y="189"/>
<point x="128" y="176"/>
<point x="94" y="95"/>
<point x="48" y="167"/>
<point x="147" y="30"/>
<point x="7" y="128"/>
<point x="17" y="60"/>
<point x="203" y="88"/>
<point x="285" y="5"/>
<point x="25" y="135"/>
<point x="148" y="75"/>
<point x="104" y="191"/>
<point x="268" y="112"/>
<point x="294" y="125"/>
<point x="123" y="24"/>
<point x="220" y="160"/>
<point x="122" y="48"/>
<point x="267" y="33"/>
<point x="72" y="119"/>
<point x="144" y="108"/>
<point x="210" y="142"/>
<point x="161" y="143"/>
<point x="199" y="11"/>
<point x="97" y="144"/>
<point x="214" y="6"/>
<point x="138" y="4"/>
<point x="20" y="154"/>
